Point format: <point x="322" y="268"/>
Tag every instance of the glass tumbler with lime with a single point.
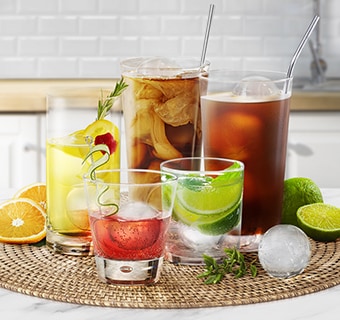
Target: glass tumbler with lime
<point x="206" y="217"/>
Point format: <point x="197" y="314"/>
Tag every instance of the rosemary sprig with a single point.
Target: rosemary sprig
<point x="233" y="263"/>
<point x="105" y="104"/>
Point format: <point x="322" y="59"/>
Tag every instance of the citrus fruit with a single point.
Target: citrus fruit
<point x="104" y="131"/>
<point x="22" y="221"/>
<point x="212" y="209"/>
<point x="35" y="192"/>
<point x="100" y="127"/>
<point x="206" y="199"/>
<point x="320" y="221"/>
<point x="221" y="224"/>
<point x="210" y="224"/>
<point x="298" y="191"/>
<point x="73" y="144"/>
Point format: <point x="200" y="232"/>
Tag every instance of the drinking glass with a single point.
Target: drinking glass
<point x="245" y="117"/>
<point x="71" y="114"/>
<point x="206" y="217"/>
<point x="129" y="219"/>
<point x="161" y="108"/>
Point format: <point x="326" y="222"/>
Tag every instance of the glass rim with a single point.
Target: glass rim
<point x="172" y="178"/>
<point x="229" y="75"/>
<point x="173" y="68"/>
<point x="195" y="62"/>
<point x="217" y="172"/>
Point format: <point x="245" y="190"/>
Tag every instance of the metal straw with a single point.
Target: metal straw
<point x="207" y="32"/>
<point x="204" y="51"/>
<point x="301" y="45"/>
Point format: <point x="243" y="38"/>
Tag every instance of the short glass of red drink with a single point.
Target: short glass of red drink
<point x="129" y="213"/>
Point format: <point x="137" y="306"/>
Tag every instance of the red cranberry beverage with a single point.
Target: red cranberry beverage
<point x="247" y="120"/>
<point x="127" y="239"/>
<point x="129" y="219"/>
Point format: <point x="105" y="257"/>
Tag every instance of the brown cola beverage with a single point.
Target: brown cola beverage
<point x="246" y="119"/>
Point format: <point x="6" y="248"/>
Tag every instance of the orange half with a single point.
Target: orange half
<point x="35" y="192"/>
<point x="22" y="221"/>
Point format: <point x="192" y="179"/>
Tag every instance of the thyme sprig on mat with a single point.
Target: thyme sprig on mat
<point x="233" y="263"/>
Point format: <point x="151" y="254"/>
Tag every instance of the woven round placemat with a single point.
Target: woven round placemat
<point x="38" y="272"/>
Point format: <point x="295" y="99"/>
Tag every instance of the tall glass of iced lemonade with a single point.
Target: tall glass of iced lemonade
<point x="161" y="107"/>
<point x="245" y="117"/>
<point x="72" y="130"/>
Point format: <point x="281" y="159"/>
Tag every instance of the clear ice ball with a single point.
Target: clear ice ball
<point x="284" y="251"/>
<point x="256" y="86"/>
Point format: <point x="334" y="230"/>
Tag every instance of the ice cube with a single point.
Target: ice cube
<point x="76" y="208"/>
<point x="159" y="67"/>
<point x="196" y="240"/>
<point x="284" y="251"/>
<point x="137" y="211"/>
<point x="256" y="86"/>
<point x="76" y="199"/>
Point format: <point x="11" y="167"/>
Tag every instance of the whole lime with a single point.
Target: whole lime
<point x="298" y="192"/>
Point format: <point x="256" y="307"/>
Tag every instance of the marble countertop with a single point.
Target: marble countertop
<point x="316" y="306"/>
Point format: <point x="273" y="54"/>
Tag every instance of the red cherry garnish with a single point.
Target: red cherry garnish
<point x="107" y="139"/>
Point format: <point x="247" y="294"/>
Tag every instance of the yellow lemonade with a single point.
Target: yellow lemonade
<point x="66" y="202"/>
<point x="77" y="144"/>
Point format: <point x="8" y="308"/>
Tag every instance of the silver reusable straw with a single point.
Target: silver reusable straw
<point x="207" y="32"/>
<point x="301" y="45"/>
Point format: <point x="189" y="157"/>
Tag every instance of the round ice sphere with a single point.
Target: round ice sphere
<point x="284" y="251"/>
<point x="256" y="86"/>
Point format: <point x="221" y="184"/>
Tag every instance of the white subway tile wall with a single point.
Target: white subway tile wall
<point x="89" y="38"/>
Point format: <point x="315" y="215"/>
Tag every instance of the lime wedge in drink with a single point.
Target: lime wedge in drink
<point x="210" y="224"/>
<point x="320" y="221"/>
<point x="209" y="205"/>
<point x="219" y="224"/>
<point x="205" y="195"/>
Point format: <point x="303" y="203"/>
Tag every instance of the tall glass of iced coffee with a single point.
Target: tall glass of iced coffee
<point x="161" y="108"/>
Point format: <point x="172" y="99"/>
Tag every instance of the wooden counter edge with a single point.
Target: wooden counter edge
<point x="30" y="95"/>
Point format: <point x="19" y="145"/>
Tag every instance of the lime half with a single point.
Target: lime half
<point x="220" y="224"/>
<point x="320" y="221"/>
<point x="210" y="224"/>
<point x="200" y="195"/>
<point x="212" y="208"/>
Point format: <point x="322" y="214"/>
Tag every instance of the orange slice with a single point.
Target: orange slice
<point x="22" y="221"/>
<point x="35" y="192"/>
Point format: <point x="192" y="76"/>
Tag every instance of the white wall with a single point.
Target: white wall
<point x="88" y="38"/>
